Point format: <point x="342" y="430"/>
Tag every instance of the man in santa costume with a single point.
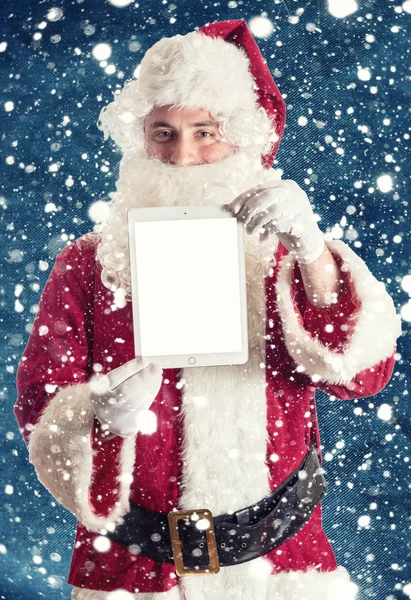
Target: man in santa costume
<point x="114" y="439"/>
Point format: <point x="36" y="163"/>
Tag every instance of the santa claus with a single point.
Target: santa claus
<point x="122" y="444"/>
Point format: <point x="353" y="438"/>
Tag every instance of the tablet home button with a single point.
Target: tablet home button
<point x="192" y="360"/>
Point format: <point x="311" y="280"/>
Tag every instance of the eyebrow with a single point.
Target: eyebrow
<point x="155" y="124"/>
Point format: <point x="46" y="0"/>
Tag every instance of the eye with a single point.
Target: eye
<point x="205" y="134"/>
<point x="162" y="135"/>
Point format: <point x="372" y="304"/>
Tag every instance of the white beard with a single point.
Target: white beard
<point x="146" y="182"/>
<point x="224" y="407"/>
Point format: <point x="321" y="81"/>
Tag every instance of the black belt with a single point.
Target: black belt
<point x="197" y="543"/>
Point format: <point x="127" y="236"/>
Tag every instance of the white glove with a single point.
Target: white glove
<point x="281" y="207"/>
<point x="121" y="398"/>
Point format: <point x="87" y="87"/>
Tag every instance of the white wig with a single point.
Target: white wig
<point x="192" y="71"/>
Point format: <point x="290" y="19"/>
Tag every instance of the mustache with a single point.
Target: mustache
<point x="137" y="167"/>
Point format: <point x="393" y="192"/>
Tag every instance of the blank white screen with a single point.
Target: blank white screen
<point x="188" y="286"/>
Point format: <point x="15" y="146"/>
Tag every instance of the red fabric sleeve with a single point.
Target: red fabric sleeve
<point x="341" y="321"/>
<point x="331" y="325"/>
<point x="58" y="352"/>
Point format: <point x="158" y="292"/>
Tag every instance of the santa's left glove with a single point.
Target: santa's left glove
<point x="283" y="208"/>
<point x="121" y="399"/>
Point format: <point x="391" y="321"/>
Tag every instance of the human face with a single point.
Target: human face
<point x="183" y="137"/>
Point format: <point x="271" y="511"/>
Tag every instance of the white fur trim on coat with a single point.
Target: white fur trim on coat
<point x="377" y="326"/>
<point x="312" y="585"/>
<point x="225" y="418"/>
<point x="225" y="440"/>
<point x="83" y="594"/>
<point x="60" y="450"/>
<point x="293" y="585"/>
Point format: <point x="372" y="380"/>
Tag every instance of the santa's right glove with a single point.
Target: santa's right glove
<point x="122" y="398"/>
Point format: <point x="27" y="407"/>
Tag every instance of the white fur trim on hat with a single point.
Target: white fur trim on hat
<point x="60" y="450"/>
<point x="191" y="71"/>
<point x="377" y="326"/>
<point x="197" y="70"/>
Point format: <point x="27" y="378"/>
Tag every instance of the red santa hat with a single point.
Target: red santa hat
<point x="237" y="32"/>
<point x="218" y="68"/>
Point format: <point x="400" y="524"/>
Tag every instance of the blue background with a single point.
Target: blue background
<point x="315" y="68"/>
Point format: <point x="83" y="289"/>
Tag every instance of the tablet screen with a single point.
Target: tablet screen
<point x="188" y="286"/>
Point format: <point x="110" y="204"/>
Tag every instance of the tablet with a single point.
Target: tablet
<point x="188" y="286"/>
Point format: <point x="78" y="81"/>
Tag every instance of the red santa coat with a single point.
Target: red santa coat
<point x="79" y="331"/>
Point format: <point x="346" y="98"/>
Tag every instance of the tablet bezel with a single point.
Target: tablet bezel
<point x="188" y="212"/>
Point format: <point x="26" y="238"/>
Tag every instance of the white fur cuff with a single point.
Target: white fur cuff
<point x="376" y="330"/>
<point x="60" y="450"/>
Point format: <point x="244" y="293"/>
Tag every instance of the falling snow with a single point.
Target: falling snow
<point x="342" y="70"/>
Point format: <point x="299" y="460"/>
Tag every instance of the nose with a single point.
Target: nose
<point x="183" y="153"/>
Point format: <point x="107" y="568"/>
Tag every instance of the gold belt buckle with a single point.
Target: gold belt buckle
<point x="205" y="522"/>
